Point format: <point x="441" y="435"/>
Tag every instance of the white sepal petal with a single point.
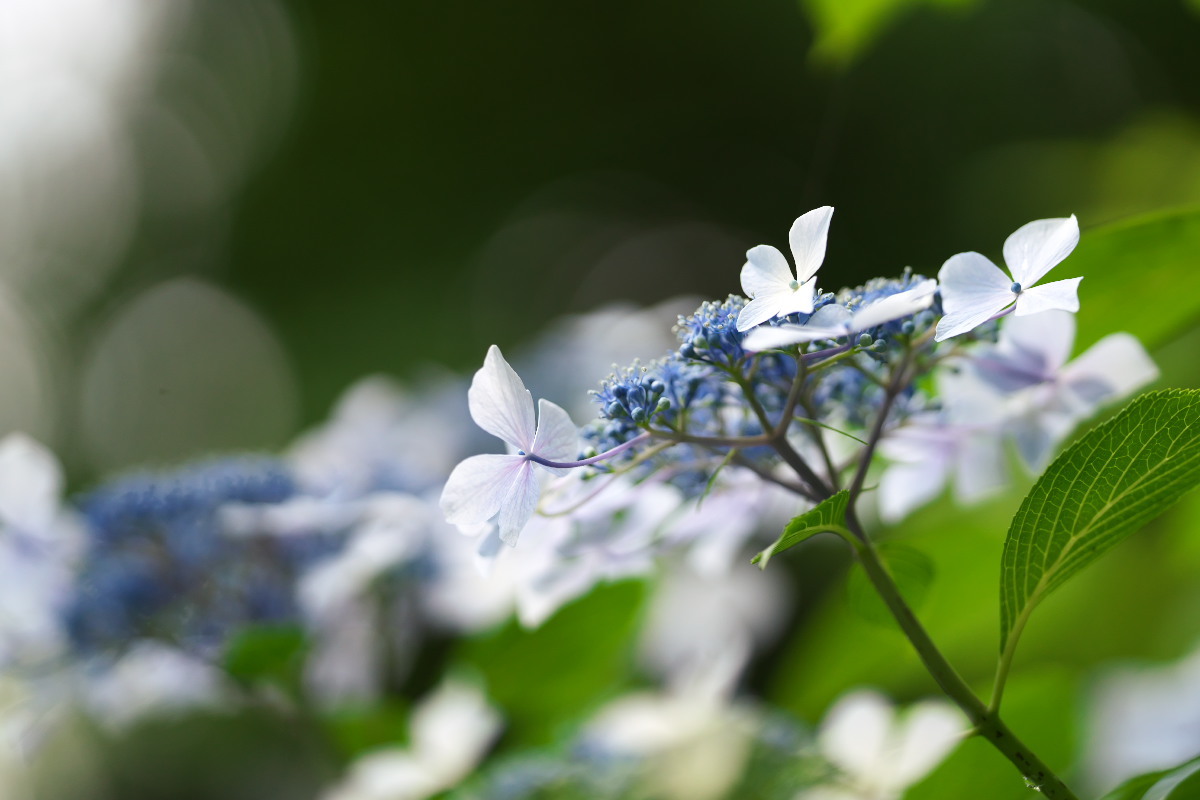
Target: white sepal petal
<point x="520" y="503"/>
<point x="896" y="306"/>
<point x="761" y="309"/>
<point x="1059" y="295"/>
<point x="973" y="291"/>
<point x="500" y="403"/>
<point x="1037" y="247"/>
<point x="478" y="487"/>
<point x="557" y="439"/>
<point x="808" y="237"/>
<point x="765" y="271"/>
<point x="31" y="482"/>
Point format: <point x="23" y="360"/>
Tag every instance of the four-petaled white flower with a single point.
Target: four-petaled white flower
<point x="485" y="486"/>
<point x="974" y="290"/>
<point x="837" y="322"/>
<point x="768" y="281"/>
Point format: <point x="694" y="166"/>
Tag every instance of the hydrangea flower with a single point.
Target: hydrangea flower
<point x="974" y="290"/>
<point x="485" y="486"/>
<point x="768" y="281"/>
<point x="450" y="731"/>
<point x="1048" y="395"/>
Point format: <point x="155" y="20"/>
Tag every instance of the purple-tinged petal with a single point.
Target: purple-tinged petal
<point x="478" y="487"/>
<point x="500" y="403"/>
<point x="557" y="438"/>
<point x="520" y="504"/>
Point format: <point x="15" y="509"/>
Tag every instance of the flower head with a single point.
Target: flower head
<point x="768" y="281"/>
<point x="974" y="290"/>
<point x="485" y="486"/>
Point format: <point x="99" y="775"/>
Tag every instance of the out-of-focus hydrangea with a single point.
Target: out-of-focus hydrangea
<point x="877" y="752"/>
<point x="151" y="679"/>
<point x="160" y="565"/>
<point x="1142" y="719"/>
<point x="449" y="733"/>
<point x="40" y="542"/>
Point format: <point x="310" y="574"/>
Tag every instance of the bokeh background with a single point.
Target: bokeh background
<point x="216" y="216"/>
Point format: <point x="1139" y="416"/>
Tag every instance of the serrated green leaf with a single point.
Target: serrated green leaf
<point x="1179" y="783"/>
<point x="1106" y="485"/>
<point x="911" y="569"/>
<point x="828" y="516"/>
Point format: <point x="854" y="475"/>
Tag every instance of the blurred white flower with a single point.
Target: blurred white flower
<point x="450" y="732"/>
<point x="1143" y="719"/>
<point x="39" y="544"/>
<point x="880" y="753"/>
<point x="693" y="740"/>
<point x="693" y="618"/>
<point x="151" y="680"/>
<point x="1049" y="396"/>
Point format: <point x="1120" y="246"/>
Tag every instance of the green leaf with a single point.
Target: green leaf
<point x="1102" y="488"/>
<point x="847" y="28"/>
<point x="829" y="516"/>
<point x="911" y="569"/>
<point x="1151" y="255"/>
<point x="271" y="654"/>
<point x="1180" y="783"/>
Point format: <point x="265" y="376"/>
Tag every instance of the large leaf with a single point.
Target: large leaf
<point x="828" y="516"/>
<point x="1146" y="257"/>
<point x="847" y="28"/>
<point x="1180" y="783"/>
<point x="911" y="569"/>
<point x="1106" y="485"/>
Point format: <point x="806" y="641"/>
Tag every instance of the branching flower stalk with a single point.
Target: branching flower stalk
<point x="792" y="389"/>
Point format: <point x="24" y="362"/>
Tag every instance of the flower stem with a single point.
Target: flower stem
<point x="986" y="722"/>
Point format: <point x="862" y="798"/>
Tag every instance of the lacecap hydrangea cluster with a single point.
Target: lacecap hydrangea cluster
<point x="910" y="381"/>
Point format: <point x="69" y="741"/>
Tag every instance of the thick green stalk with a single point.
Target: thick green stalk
<point x="987" y="722"/>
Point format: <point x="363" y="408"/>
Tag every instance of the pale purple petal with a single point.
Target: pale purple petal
<point x="500" y="403"/>
<point x="761" y="309"/>
<point x="1034" y="249"/>
<point x="765" y="271"/>
<point x="905" y="487"/>
<point x="557" y="438"/>
<point x="980" y="468"/>
<point x="1044" y="340"/>
<point x="973" y="291"/>
<point x="1060" y="295"/>
<point x="1112" y="368"/>
<point x="478" y="487"/>
<point x="894" y="307"/>
<point x="519" y="504"/>
<point x="807" y="239"/>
